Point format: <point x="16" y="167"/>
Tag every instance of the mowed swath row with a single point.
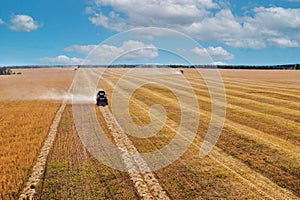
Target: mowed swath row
<point x="280" y="143"/>
<point x="246" y="90"/>
<point x="279" y="120"/>
<point x="237" y="110"/>
<point x="258" y="156"/>
<point x="259" y="101"/>
<point x="243" y="111"/>
<point x="25" y="122"/>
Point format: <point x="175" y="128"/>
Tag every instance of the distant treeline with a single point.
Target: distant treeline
<point x="266" y="67"/>
<point x="290" y="67"/>
<point x="256" y="67"/>
<point x="5" y="71"/>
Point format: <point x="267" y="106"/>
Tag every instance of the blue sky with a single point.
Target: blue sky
<point x="255" y="32"/>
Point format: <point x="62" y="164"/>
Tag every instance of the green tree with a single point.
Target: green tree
<point x="2" y="71"/>
<point x="5" y="71"/>
<point x="297" y="66"/>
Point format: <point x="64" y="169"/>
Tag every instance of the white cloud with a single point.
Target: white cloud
<point x="153" y="13"/>
<point x="203" y="20"/>
<point x="104" y="54"/>
<point x="82" y="49"/>
<point x="62" y="59"/>
<point x="130" y="50"/>
<point x="219" y="63"/>
<point x="248" y="32"/>
<point x="23" y="23"/>
<point x="283" y="42"/>
<point x="180" y="50"/>
<point x="222" y="25"/>
<point x="1" y="21"/>
<point x="89" y="10"/>
<point x="277" y="18"/>
<point x="217" y="53"/>
<point x="113" y="21"/>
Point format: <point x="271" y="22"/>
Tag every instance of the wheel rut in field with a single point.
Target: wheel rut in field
<point x="144" y="180"/>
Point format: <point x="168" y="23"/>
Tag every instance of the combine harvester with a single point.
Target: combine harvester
<point x="101" y="98"/>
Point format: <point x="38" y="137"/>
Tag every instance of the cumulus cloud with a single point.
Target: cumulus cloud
<point x="62" y="59"/>
<point x="156" y="13"/>
<point x="283" y="42"/>
<point x="1" y="21"/>
<point x="23" y="23"/>
<point x="221" y="25"/>
<point x="129" y="50"/>
<point x="113" y="21"/>
<point x="180" y="50"/>
<point x="219" y="63"/>
<point x="277" y="18"/>
<point x="82" y="49"/>
<point x="274" y="26"/>
<point x="248" y="32"/>
<point x="204" y="20"/>
<point x="217" y="53"/>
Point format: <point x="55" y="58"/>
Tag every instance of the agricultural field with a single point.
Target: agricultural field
<point x="25" y="118"/>
<point x="256" y="157"/>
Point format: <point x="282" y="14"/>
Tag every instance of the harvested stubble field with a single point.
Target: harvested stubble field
<point x="257" y="154"/>
<point x="256" y="157"/>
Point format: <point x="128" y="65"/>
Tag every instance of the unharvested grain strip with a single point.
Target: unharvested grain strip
<point x="39" y="168"/>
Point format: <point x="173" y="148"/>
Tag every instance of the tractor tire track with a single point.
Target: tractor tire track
<point x="144" y="180"/>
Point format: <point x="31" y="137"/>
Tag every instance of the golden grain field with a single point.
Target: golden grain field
<point x="258" y="151"/>
<point x="256" y="157"/>
<point x="25" y="116"/>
